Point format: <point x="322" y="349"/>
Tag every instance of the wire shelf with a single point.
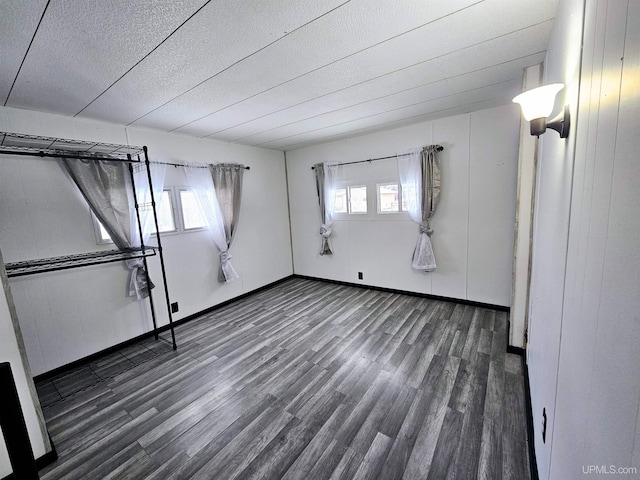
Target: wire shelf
<point x="42" y="265"/>
<point x="21" y="144"/>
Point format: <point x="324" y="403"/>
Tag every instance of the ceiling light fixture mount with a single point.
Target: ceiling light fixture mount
<point x="537" y="105"/>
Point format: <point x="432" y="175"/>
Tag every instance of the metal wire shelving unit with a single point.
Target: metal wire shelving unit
<point x="56" y="148"/>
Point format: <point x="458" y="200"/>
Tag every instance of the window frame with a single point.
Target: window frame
<point x="346" y="202"/>
<point x="366" y="191"/>
<point x="172" y="201"/>
<point x="348" y="215"/>
<point x="373" y="203"/>
<point x="183" y="228"/>
<point x="378" y="202"/>
<point x="401" y="214"/>
<point x="97" y="231"/>
<point x="107" y="241"/>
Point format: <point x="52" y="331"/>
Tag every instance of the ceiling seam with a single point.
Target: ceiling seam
<point x="355" y="84"/>
<point x="373" y="79"/>
<point x="238" y="61"/>
<point x="379" y="126"/>
<point x="389" y="111"/>
<point x="317" y="68"/>
<point x="142" y="59"/>
<point x="370" y="100"/>
<point x="383" y="126"/>
<point x="15" y="79"/>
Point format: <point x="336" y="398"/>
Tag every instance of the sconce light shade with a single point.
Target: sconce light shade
<point x="537" y="105"/>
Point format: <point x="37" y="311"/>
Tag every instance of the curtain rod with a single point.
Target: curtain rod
<point x="187" y="166"/>
<point x="439" y="148"/>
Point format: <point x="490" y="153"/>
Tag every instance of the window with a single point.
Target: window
<point x="191" y="215"/>
<point x="103" y="236"/>
<point x="164" y="210"/>
<point x="358" y="199"/>
<point x="340" y="200"/>
<point x="350" y="199"/>
<point x="388" y="194"/>
<point x="166" y="223"/>
<point x="376" y="199"/>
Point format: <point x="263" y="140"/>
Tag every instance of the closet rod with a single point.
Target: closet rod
<point x="64" y="155"/>
<point x="439" y="148"/>
<point x="87" y="157"/>
<point x="185" y="165"/>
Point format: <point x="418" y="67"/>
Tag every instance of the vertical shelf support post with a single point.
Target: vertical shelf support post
<point x="160" y="251"/>
<point x="144" y="259"/>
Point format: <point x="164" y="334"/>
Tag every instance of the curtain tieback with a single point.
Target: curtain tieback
<point x="425" y="227"/>
<point x="325" y="231"/>
<point x="225" y="257"/>
<point x="134" y="263"/>
<point x="138" y="286"/>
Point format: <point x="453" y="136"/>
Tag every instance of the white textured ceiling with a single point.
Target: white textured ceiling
<point x="280" y="74"/>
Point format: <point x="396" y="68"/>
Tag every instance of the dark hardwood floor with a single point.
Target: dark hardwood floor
<point x="305" y="380"/>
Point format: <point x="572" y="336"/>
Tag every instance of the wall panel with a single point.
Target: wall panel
<point x="380" y="246"/>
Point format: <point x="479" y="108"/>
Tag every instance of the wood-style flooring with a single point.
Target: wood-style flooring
<point x="305" y="380"/>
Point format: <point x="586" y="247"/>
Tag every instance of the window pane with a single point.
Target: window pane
<point x="104" y="236"/>
<point x="165" y="213"/>
<point x="340" y="205"/>
<point x="191" y="215"/>
<point x="388" y="198"/>
<point x="358" y="199"/>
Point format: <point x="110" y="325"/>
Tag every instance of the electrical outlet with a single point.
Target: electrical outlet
<point x="174" y="307"/>
<point x="544" y="425"/>
<point x="359" y="275"/>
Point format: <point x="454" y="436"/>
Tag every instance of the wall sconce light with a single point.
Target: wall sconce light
<point x="537" y="105"/>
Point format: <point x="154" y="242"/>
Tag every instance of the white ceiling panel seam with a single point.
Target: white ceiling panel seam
<point x="142" y="59"/>
<point x="446" y="112"/>
<point x="236" y="63"/>
<point x="437" y="57"/>
<point x="384" y="75"/>
<point x="240" y="139"/>
<point x="392" y="110"/>
<point x="320" y="67"/>
<point x="35" y="32"/>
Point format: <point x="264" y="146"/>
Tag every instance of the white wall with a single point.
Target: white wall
<point x="70" y="314"/>
<point x="473" y="227"/>
<point x="10" y="348"/>
<point x="584" y="359"/>
<point x="550" y="228"/>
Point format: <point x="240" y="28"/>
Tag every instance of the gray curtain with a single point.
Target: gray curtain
<point x="325" y="230"/>
<point x="227" y="180"/>
<point x="423" y="256"/>
<point x="419" y="172"/>
<point x="106" y="186"/>
<point x="326" y="181"/>
<point x="430" y="184"/>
